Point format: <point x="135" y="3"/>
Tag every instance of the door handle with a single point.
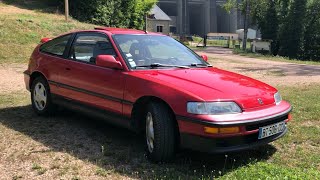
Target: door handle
<point x="68" y="69"/>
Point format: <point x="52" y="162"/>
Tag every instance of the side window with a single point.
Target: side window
<point x="87" y="46"/>
<point x="56" y="46"/>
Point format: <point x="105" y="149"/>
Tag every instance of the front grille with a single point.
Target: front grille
<point x="257" y="125"/>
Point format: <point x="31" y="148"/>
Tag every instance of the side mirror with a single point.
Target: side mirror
<point x="108" y="61"/>
<point x="44" y="40"/>
<point x="204" y="57"/>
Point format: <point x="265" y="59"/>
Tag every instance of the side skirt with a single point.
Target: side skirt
<point x="107" y="116"/>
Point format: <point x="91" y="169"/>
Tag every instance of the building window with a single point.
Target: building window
<point x="159" y="28"/>
<point x="173" y="29"/>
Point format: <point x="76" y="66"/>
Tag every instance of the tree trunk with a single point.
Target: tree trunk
<point x="245" y="28"/>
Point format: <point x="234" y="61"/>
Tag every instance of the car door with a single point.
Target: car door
<point x="84" y="81"/>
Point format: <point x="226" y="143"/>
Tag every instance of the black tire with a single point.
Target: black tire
<point x="164" y="133"/>
<point x="43" y="109"/>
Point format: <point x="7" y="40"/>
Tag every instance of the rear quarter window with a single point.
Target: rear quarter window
<point x="56" y="46"/>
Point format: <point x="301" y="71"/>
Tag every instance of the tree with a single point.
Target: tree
<point x="141" y="8"/>
<point x="311" y="41"/>
<point x="284" y="8"/>
<point x="113" y="13"/>
<point x="293" y="30"/>
<point x="244" y="6"/>
<point x="264" y="14"/>
<point x="292" y="25"/>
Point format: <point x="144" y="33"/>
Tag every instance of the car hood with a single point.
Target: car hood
<point x="213" y="84"/>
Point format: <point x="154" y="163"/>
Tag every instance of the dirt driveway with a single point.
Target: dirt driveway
<point x="11" y="77"/>
<point x="272" y="72"/>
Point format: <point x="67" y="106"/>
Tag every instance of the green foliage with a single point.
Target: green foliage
<point x="229" y="5"/>
<point x="284" y="8"/>
<point x="269" y="25"/>
<point x="291" y="45"/>
<point x="292" y="25"/>
<point x="265" y="15"/>
<point x="43" y="5"/>
<point x="113" y="13"/>
<point x="312" y="32"/>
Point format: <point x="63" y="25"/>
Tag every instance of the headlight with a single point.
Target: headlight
<point x="213" y="108"/>
<point x="277" y="98"/>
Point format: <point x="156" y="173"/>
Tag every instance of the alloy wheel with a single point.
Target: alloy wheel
<point x="39" y="96"/>
<point x="149" y="132"/>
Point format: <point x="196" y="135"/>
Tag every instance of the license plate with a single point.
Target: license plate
<point x="270" y="130"/>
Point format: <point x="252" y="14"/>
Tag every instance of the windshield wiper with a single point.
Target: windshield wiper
<point x="156" y="65"/>
<point x="200" y="65"/>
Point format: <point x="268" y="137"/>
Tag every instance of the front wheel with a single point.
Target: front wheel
<point x="41" y="97"/>
<point x="160" y="132"/>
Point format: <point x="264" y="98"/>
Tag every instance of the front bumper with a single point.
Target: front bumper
<point x="27" y="79"/>
<point x="224" y="145"/>
<point x="192" y="135"/>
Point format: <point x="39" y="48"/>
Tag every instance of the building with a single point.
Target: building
<point x="200" y="16"/>
<point x="158" y="21"/>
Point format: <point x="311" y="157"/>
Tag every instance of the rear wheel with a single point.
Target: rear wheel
<point x="41" y="97"/>
<point x="160" y="132"/>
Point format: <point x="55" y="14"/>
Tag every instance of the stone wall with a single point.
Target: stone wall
<point x="153" y="23"/>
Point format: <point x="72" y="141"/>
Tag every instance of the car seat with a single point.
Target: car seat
<point x="102" y="48"/>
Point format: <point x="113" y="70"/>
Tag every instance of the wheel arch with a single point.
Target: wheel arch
<point x="139" y="110"/>
<point x="34" y="75"/>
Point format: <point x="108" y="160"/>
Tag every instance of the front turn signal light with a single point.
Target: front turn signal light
<point x="289" y="117"/>
<point x="224" y="130"/>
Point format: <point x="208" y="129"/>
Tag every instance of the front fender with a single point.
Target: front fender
<point x="139" y="86"/>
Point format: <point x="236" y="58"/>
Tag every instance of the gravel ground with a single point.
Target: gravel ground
<point x="271" y="72"/>
<point x="11" y="78"/>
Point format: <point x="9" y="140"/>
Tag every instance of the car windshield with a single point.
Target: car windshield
<point x="153" y="51"/>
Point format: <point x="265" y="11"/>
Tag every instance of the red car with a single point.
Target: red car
<point x="151" y="83"/>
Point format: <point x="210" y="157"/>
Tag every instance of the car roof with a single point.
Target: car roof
<point x="113" y="30"/>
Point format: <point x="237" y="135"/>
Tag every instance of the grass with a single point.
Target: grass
<point x="274" y="58"/>
<point x="216" y="43"/>
<point x="37" y="5"/>
<point x="262" y="170"/>
<point x="21" y="32"/>
<point x="79" y="146"/>
<point x="40" y="170"/>
<point x="276" y="72"/>
<point x="300" y="148"/>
